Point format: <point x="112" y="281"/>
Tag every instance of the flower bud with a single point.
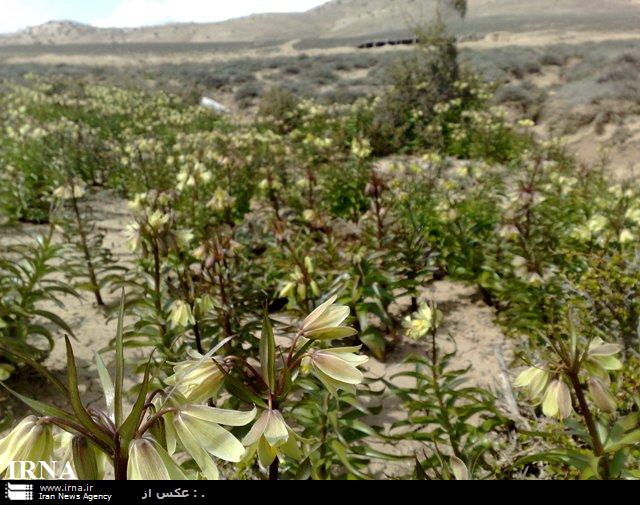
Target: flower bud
<point x="601" y="395"/>
<point x="85" y="459"/>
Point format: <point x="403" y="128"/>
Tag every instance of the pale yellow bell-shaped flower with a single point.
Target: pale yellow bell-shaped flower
<point x="361" y="148"/>
<point x="138" y="202"/>
<point x="197" y="379"/>
<point x="535" y="380"/>
<point x="633" y="214"/>
<point x="597" y="223"/>
<point x="557" y="401"/>
<point x="626" y="236"/>
<point x="601" y="358"/>
<point x="184" y="237"/>
<point x="325" y="322"/>
<point x="157" y="220"/>
<point x="337" y="368"/>
<point x="419" y="325"/>
<point x="181" y="315"/>
<point x="221" y="200"/>
<point x="149" y="461"/>
<point x="198" y="430"/>
<point x="270" y="435"/>
<point x="30" y="440"/>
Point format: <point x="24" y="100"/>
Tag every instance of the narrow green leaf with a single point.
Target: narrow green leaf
<point x="55" y="319"/>
<point x="375" y="343"/>
<point x="304" y="470"/>
<point x="132" y="423"/>
<point x="82" y="415"/>
<point x="268" y="354"/>
<point x="41" y="408"/>
<point x="107" y="385"/>
<point x="38" y="368"/>
<point x="341" y="452"/>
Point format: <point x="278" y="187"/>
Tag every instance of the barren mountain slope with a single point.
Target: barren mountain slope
<point x="348" y="18"/>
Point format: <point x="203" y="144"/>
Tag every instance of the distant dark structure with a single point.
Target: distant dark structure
<point x="382" y="43"/>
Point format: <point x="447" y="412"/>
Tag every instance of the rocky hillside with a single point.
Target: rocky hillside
<point x="348" y="18"/>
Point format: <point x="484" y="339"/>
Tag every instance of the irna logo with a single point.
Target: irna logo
<point x="40" y="470"/>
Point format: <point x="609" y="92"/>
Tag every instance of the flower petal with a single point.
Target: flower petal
<point x="194" y="448"/>
<point x="331" y="333"/>
<point x="605" y="350"/>
<point x="257" y="430"/>
<point x="266" y="453"/>
<point x="333" y="317"/>
<point x="212" y="438"/>
<point x="311" y="318"/>
<point x="550" y="403"/>
<point x="277" y="431"/>
<point x="221" y="416"/>
<point x="337" y="368"/>
<point x="149" y="461"/>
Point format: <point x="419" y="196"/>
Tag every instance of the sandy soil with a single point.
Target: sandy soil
<point x="618" y="145"/>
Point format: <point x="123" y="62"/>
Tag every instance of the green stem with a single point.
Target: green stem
<point x="93" y="278"/>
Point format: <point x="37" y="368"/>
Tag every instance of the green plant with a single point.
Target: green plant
<point x="575" y="377"/>
<point x="28" y="280"/>
<point x="460" y="428"/>
<point x="93" y="267"/>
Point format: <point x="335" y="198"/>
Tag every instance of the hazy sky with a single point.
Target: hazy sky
<point x="18" y="14"/>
